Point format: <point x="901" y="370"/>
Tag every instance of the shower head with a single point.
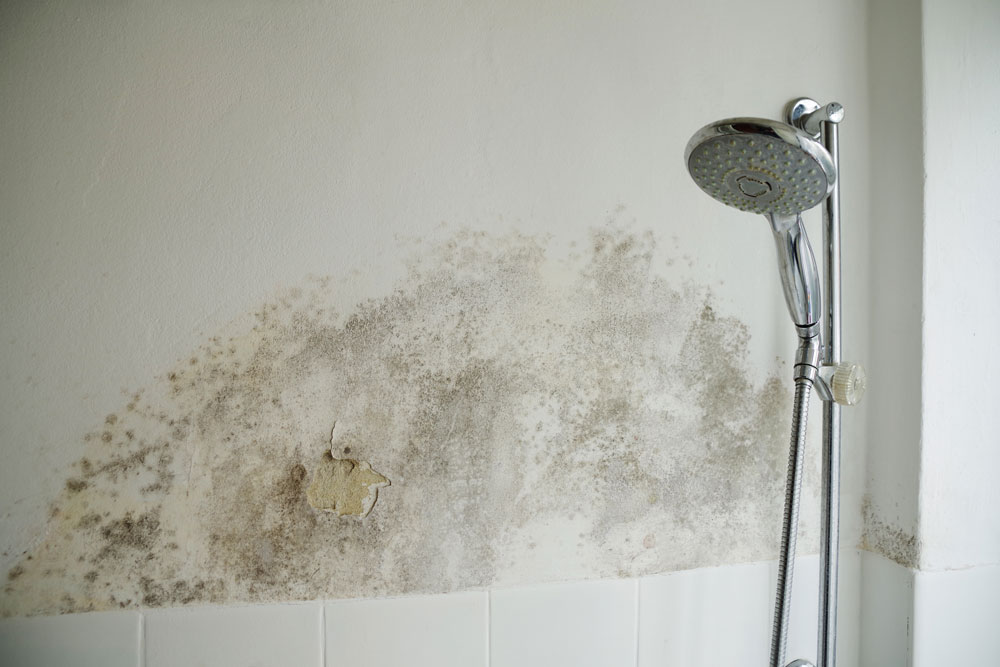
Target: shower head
<point x="760" y="166"/>
<point x="763" y="166"/>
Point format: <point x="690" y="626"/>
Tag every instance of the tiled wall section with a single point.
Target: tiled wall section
<point x="955" y="617"/>
<point x="698" y="617"/>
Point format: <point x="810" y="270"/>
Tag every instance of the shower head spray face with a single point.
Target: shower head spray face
<point x="766" y="167"/>
<point x="760" y="166"/>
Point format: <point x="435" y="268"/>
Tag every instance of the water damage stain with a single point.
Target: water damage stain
<point x="539" y="420"/>
<point x="883" y="538"/>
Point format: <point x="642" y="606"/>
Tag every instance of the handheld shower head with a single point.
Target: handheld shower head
<point x="763" y="166"/>
<point x="760" y="166"/>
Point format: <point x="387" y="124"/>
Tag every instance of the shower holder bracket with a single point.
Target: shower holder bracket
<point x="843" y="383"/>
<point x="806" y="114"/>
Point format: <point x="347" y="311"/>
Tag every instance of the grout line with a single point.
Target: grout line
<point x="489" y="623"/>
<point x="142" y="639"/>
<point x="635" y="643"/>
<point x="322" y="634"/>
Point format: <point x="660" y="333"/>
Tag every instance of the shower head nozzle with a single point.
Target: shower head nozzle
<point x="760" y="166"/>
<point x="763" y="166"/>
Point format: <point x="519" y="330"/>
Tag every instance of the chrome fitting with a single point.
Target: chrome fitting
<point x="807" y="359"/>
<point x="807" y="331"/>
<point x="806" y="114"/>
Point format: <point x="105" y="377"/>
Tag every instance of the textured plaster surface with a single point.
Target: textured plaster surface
<point x="539" y="419"/>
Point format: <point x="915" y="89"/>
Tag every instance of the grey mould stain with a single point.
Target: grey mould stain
<point x="540" y="420"/>
<point x="883" y="538"/>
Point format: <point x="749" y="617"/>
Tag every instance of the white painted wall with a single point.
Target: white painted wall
<point x="955" y="596"/>
<point x="934" y="170"/>
<point x="895" y="364"/>
<point x="959" y="495"/>
<point x="165" y="169"/>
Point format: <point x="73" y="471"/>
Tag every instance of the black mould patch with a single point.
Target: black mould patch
<point x="883" y="538"/>
<point x="539" y="420"/>
<point x="129" y="534"/>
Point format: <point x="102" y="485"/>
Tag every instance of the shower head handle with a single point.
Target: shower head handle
<point x="799" y="272"/>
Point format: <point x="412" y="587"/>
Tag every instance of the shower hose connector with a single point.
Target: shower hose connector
<point x="843" y="383"/>
<point x="807" y="358"/>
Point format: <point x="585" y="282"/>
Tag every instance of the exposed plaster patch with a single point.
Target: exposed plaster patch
<point x="540" y="420"/>
<point x="344" y="486"/>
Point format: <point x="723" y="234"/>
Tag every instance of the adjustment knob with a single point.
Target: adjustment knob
<point x="848" y="383"/>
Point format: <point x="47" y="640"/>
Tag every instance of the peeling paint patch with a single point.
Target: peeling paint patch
<point x="344" y="486"/>
<point x="540" y="420"/>
<point x="890" y="541"/>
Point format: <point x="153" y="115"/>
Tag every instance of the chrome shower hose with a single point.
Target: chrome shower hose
<point x="789" y="529"/>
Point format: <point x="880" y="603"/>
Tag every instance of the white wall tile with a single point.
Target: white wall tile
<point x="109" y="639"/>
<point x="804" y="622"/>
<point x="421" y="631"/>
<point x="724" y="614"/>
<point x="805" y="605"/>
<point x="957" y="617"/>
<point x="261" y="636"/>
<point x="587" y="624"/>
<point x="886" y="611"/>
<point x="849" y="610"/>
<point x="707" y="616"/>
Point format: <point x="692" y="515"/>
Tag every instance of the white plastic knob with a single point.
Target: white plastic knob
<point x="848" y="383"/>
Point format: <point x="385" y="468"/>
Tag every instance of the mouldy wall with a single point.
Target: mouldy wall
<point x="536" y="419"/>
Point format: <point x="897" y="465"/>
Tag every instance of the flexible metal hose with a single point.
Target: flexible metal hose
<point x="789" y="529"/>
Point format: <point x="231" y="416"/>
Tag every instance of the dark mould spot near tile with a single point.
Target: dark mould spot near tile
<point x="881" y="537"/>
<point x="176" y="592"/>
<point x="130" y="533"/>
<point x="540" y="419"/>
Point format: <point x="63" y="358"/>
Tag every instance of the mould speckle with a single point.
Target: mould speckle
<point x="540" y="419"/>
<point x="177" y="592"/>
<point x="75" y="485"/>
<point x="890" y="541"/>
<point x="128" y="533"/>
